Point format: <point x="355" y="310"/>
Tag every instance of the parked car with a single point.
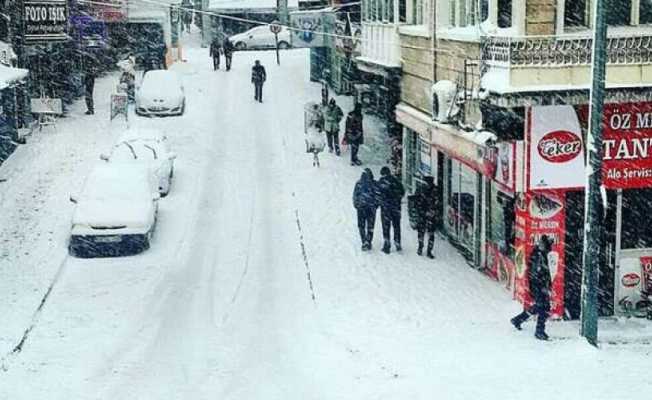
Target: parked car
<point x="115" y="213"/>
<point x="160" y="93"/>
<point x="261" y="37"/>
<point x="148" y="148"/>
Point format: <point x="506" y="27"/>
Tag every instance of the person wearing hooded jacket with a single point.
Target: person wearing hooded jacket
<point x="540" y="282"/>
<point x="390" y="191"/>
<point x="214" y="51"/>
<point x="427" y="209"/>
<point x="353" y="132"/>
<point x="365" y="201"/>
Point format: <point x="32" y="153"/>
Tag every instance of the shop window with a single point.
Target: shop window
<point x="500" y="225"/>
<point x="637" y="219"/>
<point x="460" y="204"/>
<point x="620" y="12"/>
<point x="575" y="13"/>
<point x="504" y="13"/>
<point x="645" y="12"/>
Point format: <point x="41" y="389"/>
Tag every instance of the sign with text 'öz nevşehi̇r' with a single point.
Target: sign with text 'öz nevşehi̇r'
<point x="45" y="20"/>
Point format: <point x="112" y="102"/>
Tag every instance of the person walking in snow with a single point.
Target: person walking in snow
<point x="332" y="116"/>
<point x="391" y="191"/>
<point x="128" y="76"/>
<point x="315" y="141"/>
<point x="427" y="209"/>
<point x="540" y="282"/>
<point x="365" y="201"/>
<point x="258" y="78"/>
<point x="90" y="72"/>
<point x="353" y="133"/>
<point x="228" y="49"/>
<point x="214" y="51"/>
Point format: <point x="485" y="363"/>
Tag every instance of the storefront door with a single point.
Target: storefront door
<point x="461" y="209"/>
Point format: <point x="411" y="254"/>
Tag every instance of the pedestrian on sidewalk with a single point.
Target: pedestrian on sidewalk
<point x="228" y="49"/>
<point x="332" y="117"/>
<point x="258" y="78"/>
<point x="128" y="76"/>
<point x="90" y="72"/>
<point x="365" y="201"/>
<point x="427" y="212"/>
<point x="353" y="132"/>
<point x="391" y="192"/>
<point x="540" y="282"/>
<point x="315" y="140"/>
<point x="214" y="51"/>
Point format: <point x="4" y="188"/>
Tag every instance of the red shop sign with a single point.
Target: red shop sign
<point x="627" y="145"/>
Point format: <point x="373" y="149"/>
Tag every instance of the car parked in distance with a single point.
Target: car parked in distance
<point x="147" y="148"/>
<point x="261" y="37"/>
<point x="160" y="93"/>
<point x="115" y="213"/>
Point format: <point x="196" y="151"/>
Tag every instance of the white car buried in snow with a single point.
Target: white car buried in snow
<point x="150" y="150"/>
<point x="115" y="214"/>
<point x="160" y="93"/>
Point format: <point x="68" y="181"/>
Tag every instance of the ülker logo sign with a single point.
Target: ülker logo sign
<point x="559" y="146"/>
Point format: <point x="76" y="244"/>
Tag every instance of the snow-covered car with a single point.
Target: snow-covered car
<point x="115" y="213"/>
<point x="261" y="37"/>
<point x="160" y="93"/>
<point x="150" y="150"/>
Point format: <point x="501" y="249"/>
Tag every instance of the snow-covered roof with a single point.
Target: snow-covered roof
<point x="10" y="75"/>
<point x="248" y="4"/>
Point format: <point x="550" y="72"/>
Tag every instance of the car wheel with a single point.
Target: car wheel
<point x="283" y="45"/>
<point x="241" y="46"/>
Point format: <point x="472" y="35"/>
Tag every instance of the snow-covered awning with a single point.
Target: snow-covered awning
<point x="9" y="76"/>
<point x="149" y="10"/>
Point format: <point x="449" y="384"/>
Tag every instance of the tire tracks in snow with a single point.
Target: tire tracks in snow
<point x="6" y="360"/>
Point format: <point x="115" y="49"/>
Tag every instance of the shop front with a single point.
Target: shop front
<point x="553" y="204"/>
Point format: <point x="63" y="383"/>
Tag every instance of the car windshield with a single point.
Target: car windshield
<point x="328" y="200"/>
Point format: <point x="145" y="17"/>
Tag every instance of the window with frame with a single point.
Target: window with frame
<point x="575" y="13"/>
<point x="620" y="12"/>
<point x="645" y="12"/>
<point x="504" y="13"/>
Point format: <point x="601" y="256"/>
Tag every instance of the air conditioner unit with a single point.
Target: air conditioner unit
<point x="444" y="106"/>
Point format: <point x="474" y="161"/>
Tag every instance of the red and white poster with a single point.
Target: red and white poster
<point x="108" y="10"/>
<point x="627" y="146"/>
<point x="498" y="266"/>
<point x="540" y="214"/>
<point x="646" y="270"/>
<point x="555" y="148"/>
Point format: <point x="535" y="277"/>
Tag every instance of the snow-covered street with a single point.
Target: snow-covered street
<point x="255" y="286"/>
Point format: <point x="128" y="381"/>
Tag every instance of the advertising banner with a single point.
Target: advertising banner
<point x="45" y="21"/>
<point x="108" y="10"/>
<point x="540" y="214"/>
<point x="627" y="145"/>
<point x="498" y="266"/>
<point x="555" y="148"/>
<point x="307" y="27"/>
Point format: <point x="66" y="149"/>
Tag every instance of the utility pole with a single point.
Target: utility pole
<point x="594" y="213"/>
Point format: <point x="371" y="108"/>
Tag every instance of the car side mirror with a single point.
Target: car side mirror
<point x="73" y="199"/>
<point x="104" y="157"/>
<point x="172" y="156"/>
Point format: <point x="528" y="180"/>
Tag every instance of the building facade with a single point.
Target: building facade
<point x="506" y="139"/>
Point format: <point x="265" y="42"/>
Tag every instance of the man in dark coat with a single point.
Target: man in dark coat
<point x="391" y="191"/>
<point x="353" y="132"/>
<point x="90" y="72"/>
<point x="427" y="212"/>
<point x="540" y="282"/>
<point x="365" y="201"/>
<point x="258" y="77"/>
<point x="228" y="48"/>
<point x="214" y="51"/>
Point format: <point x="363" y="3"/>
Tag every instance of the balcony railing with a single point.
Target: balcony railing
<point x="564" y="50"/>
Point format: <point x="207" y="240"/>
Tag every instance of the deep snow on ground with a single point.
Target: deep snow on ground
<point x="222" y="305"/>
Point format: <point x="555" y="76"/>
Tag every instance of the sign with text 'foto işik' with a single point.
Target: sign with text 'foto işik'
<point x="45" y="21"/>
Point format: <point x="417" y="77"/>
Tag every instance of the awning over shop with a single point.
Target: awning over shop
<point x="10" y="76"/>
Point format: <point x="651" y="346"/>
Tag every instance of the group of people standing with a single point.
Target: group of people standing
<point x="386" y="194"/>
<point x="219" y="48"/>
